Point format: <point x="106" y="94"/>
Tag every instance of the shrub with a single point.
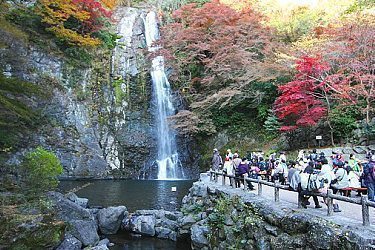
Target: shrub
<point x="40" y="168"/>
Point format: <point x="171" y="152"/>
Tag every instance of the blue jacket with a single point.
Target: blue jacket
<point x="368" y="172"/>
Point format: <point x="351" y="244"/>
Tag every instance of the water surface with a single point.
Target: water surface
<point x="134" y="194"/>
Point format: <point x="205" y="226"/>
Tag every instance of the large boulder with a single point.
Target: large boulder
<point x="67" y="210"/>
<point x="85" y="231"/>
<point x="199" y="236"/>
<point x="70" y="243"/>
<point x="110" y="219"/>
<point x="142" y="224"/>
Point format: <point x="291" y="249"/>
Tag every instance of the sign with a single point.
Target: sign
<point x="318" y="137"/>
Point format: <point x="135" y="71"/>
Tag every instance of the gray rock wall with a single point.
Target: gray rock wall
<point x="222" y="218"/>
<point x="97" y="118"/>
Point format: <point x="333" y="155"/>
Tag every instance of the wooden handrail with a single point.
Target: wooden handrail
<point x="363" y="200"/>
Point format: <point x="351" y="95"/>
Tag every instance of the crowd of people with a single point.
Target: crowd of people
<point x="310" y="173"/>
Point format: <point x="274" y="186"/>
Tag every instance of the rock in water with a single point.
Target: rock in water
<point x="110" y="219"/>
<point x="143" y="224"/>
<point x="85" y="231"/>
<point x="70" y="243"/>
<point x="83" y="202"/>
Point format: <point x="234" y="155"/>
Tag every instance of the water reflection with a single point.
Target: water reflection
<point x="134" y="194"/>
<point x="124" y="241"/>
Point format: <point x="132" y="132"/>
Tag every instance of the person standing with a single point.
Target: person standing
<point x="369" y="177"/>
<point x="236" y="163"/>
<point x="228" y="168"/>
<point x="243" y="170"/>
<point x="216" y="161"/>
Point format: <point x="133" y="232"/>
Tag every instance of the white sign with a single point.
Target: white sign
<point x="318" y="137"/>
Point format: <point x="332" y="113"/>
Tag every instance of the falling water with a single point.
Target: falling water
<point x="168" y="163"/>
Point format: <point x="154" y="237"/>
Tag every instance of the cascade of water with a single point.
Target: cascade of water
<point x="167" y="161"/>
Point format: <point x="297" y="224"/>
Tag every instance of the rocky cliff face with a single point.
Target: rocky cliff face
<point x="66" y="126"/>
<point x="99" y="117"/>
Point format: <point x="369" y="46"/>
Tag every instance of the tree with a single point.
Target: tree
<point x="73" y="21"/>
<point x="217" y="53"/>
<point x="40" y="171"/>
<point x="351" y="51"/>
<point x="342" y="76"/>
<point x="298" y="105"/>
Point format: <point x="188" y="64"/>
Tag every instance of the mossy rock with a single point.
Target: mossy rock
<point x="43" y="232"/>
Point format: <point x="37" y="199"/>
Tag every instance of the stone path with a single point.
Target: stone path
<point x="351" y="213"/>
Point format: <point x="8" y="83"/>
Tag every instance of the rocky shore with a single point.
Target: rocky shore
<point x="88" y="227"/>
<point x="211" y="217"/>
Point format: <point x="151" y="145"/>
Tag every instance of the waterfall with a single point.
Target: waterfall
<point x="167" y="161"/>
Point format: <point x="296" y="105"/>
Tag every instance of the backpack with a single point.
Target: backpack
<point x="314" y="183"/>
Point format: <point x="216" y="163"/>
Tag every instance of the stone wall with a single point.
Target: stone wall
<point x="224" y="218"/>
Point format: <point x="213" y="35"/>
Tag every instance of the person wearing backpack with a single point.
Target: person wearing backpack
<point x="369" y="177"/>
<point x="306" y="188"/>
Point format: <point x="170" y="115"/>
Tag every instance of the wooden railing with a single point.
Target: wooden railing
<point x="363" y="200"/>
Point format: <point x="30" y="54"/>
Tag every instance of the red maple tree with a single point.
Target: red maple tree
<point x="299" y="104"/>
<point x="96" y="13"/>
<point x="225" y="46"/>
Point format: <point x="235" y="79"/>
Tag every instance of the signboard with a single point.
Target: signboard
<point x="318" y="137"/>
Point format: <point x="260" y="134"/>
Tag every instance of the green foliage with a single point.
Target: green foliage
<point x="344" y="121"/>
<point x="80" y="57"/>
<point x="297" y="19"/>
<point x="119" y="93"/>
<point x="360" y="5"/>
<point x="41" y="168"/>
<point x="170" y="5"/>
<point x="25" y="18"/>
<point x="272" y="124"/>
<point x="108" y="38"/>
<point x="227" y="118"/>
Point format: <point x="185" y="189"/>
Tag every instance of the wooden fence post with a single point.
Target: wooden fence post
<point x="277" y="192"/>
<point x="259" y="188"/>
<point x="365" y="211"/>
<point x="329" y="203"/>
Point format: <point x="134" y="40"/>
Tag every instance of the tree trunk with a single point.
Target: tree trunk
<point x="328" y="121"/>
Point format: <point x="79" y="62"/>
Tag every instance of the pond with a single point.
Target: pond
<point x="135" y="195"/>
